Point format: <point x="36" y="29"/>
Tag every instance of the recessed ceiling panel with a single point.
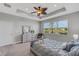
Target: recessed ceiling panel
<point x="25" y="9"/>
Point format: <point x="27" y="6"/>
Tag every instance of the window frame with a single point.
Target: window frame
<point x="57" y="27"/>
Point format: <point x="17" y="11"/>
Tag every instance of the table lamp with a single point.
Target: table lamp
<point x="75" y="36"/>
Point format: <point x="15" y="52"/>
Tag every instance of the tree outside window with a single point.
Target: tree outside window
<point x="60" y="27"/>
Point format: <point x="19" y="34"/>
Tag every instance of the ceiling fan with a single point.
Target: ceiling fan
<point x="39" y="11"/>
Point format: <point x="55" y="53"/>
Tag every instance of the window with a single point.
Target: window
<point x="54" y="29"/>
<point x="47" y="27"/>
<point x="63" y="27"/>
<point x="60" y="27"/>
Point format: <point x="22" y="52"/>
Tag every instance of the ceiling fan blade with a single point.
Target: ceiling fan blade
<point x="35" y="8"/>
<point x="44" y="9"/>
<point x="44" y="13"/>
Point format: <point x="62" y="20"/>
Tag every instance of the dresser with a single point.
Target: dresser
<point x="28" y="37"/>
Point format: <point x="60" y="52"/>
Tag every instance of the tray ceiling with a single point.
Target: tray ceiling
<point x="25" y="9"/>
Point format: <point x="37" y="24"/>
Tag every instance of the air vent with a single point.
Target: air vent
<point x="20" y="11"/>
<point x="7" y="5"/>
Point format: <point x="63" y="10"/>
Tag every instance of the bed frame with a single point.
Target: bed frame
<point x="34" y="52"/>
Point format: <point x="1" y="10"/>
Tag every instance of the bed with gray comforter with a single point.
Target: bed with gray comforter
<point x="48" y="47"/>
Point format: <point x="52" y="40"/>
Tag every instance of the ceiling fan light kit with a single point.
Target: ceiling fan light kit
<point x="39" y="11"/>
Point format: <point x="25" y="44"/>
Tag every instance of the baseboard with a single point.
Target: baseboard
<point x="10" y="43"/>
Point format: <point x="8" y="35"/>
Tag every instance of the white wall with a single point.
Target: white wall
<point x="11" y="28"/>
<point x="73" y="23"/>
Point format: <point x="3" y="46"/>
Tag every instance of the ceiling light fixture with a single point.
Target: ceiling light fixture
<point x="39" y="11"/>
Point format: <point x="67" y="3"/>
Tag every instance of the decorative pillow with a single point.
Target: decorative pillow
<point x="63" y="45"/>
<point x="74" y="51"/>
<point x="39" y="42"/>
<point x="68" y="47"/>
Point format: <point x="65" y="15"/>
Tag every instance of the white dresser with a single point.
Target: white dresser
<point x="28" y="37"/>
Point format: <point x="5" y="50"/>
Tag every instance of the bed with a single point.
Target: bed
<point x="48" y="47"/>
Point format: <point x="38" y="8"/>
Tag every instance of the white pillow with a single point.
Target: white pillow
<point x="63" y="45"/>
<point x="39" y="42"/>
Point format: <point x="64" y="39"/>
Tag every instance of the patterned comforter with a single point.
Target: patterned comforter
<point x="48" y="47"/>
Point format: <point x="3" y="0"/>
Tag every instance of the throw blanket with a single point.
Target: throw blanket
<point x="54" y="48"/>
<point x="74" y="51"/>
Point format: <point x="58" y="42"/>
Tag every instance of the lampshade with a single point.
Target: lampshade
<point x="75" y="36"/>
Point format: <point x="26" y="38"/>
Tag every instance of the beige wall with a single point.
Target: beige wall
<point x="11" y="28"/>
<point x="73" y="23"/>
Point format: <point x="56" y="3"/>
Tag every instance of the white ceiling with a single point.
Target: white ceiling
<point x="27" y="8"/>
